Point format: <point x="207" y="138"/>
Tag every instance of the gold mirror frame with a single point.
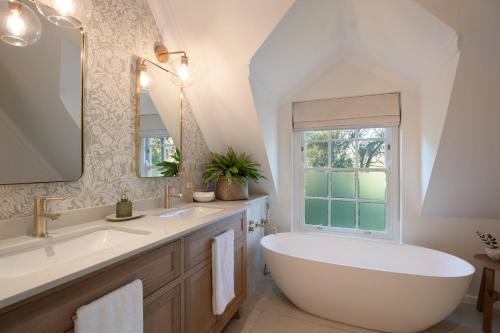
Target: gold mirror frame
<point x="83" y="44"/>
<point x="138" y="65"/>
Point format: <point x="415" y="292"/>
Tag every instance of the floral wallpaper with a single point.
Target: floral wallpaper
<point x="116" y="31"/>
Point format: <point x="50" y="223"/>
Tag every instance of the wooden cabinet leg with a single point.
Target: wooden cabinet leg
<point x="489" y="290"/>
<point x="237" y="314"/>
<point x="480" y="296"/>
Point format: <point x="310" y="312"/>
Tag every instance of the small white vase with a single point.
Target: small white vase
<point x="493" y="253"/>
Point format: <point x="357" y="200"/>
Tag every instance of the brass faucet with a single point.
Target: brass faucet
<point x="169" y="195"/>
<point x="40" y="216"/>
<point x="264" y="223"/>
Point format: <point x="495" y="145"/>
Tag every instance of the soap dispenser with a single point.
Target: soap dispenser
<point x="124" y="206"/>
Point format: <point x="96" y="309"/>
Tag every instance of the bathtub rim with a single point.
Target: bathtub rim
<point x="468" y="264"/>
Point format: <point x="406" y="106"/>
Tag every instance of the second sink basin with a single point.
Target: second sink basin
<point x="22" y="260"/>
<point x="190" y="212"/>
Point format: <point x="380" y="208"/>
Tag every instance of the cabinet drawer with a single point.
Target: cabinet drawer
<point x="52" y="311"/>
<point x="198" y="245"/>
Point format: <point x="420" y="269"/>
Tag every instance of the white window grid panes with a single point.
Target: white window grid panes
<point x="166" y="146"/>
<point x="355" y="141"/>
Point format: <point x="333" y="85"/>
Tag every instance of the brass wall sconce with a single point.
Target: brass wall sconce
<point x="183" y="69"/>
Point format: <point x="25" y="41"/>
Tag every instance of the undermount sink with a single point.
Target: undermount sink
<point x="190" y="212"/>
<point x="18" y="261"/>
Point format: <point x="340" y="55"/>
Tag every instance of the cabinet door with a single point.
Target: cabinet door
<point x="198" y="301"/>
<point x="162" y="311"/>
<point x="240" y="283"/>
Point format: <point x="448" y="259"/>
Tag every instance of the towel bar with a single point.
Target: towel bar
<point x="74" y="317"/>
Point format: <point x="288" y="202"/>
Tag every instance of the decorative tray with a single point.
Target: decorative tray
<point x="113" y="218"/>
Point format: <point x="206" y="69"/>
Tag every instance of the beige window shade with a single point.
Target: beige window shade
<point x="350" y="112"/>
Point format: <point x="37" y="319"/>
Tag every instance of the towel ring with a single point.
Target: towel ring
<point x="74" y="317"/>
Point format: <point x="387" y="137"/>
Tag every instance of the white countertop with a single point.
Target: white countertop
<point x="160" y="230"/>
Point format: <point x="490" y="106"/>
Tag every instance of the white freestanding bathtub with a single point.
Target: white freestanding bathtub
<point x="370" y="284"/>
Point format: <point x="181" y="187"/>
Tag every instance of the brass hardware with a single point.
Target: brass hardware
<point x="169" y="195"/>
<point x="265" y="223"/>
<point x="15" y="6"/>
<point x="188" y="183"/>
<point x="184" y="60"/>
<point x="40" y="216"/>
<point x="162" y="54"/>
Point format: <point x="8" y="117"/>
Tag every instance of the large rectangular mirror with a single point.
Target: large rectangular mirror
<point x="158" y="120"/>
<point x="41" y="106"/>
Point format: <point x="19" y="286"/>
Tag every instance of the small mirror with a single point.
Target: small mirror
<point x="159" y="121"/>
<point x="41" y="106"/>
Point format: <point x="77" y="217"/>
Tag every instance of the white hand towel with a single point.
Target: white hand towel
<point x="222" y="271"/>
<point x="120" y="311"/>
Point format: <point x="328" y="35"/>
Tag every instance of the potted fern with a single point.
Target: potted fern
<point x="231" y="173"/>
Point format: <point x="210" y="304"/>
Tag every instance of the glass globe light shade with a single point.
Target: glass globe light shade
<point x="145" y="79"/>
<point x="185" y="71"/>
<point x="69" y="14"/>
<point x="19" y="25"/>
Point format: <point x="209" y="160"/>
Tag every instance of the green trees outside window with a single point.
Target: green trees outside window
<point x="345" y="178"/>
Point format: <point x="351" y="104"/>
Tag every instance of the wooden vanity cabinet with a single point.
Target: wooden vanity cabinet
<point x="198" y="270"/>
<point x="177" y="287"/>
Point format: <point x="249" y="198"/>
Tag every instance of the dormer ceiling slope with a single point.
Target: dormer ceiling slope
<point x="465" y="180"/>
<point x="253" y="56"/>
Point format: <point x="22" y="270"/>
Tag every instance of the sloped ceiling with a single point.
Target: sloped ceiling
<point x="399" y="35"/>
<point x="221" y="36"/>
<point x="288" y="44"/>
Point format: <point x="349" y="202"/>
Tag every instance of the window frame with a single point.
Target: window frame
<point x="146" y="144"/>
<point x="392" y="178"/>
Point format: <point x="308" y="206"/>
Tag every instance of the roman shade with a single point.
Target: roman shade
<point x="350" y="112"/>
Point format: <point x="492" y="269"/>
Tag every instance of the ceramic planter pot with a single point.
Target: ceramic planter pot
<point x="235" y="191"/>
<point x="493" y="253"/>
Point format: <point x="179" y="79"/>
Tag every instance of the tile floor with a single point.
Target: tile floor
<point x="267" y="310"/>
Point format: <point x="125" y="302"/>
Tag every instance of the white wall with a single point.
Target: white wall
<point x="353" y="78"/>
<point x="435" y="94"/>
<point x="464" y="180"/>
